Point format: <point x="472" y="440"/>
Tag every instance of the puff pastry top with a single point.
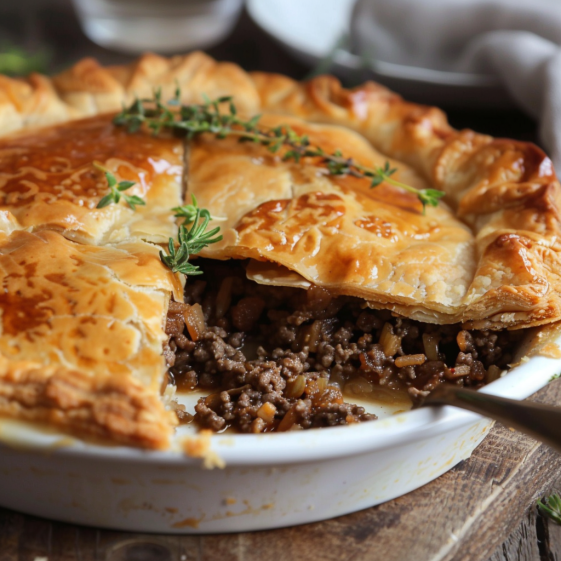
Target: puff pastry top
<point x="85" y="294"/>
<point x="335" y="231"/>
<point x="505" y="191"/>
<point x="376" y="244"/>
<point x="47" y="180"/>
<point x="80" y="323"/>
<point x="84" y="307"/>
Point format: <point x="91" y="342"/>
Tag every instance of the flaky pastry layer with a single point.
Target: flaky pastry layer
<point x="335" y="232"/>
<point x="116" y="408"/>
<point x="505" y="190"/>
<point x="90" y="308"/>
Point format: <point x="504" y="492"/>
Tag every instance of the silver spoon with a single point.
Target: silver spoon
<point x="542" y="422"/>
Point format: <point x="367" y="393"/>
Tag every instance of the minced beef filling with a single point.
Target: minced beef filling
<point x="279" y="358"/>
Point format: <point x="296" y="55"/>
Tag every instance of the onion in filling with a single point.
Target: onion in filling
<point x="277" y="358"/>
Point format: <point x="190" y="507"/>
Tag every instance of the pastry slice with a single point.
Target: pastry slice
<point x="82" y="335"/>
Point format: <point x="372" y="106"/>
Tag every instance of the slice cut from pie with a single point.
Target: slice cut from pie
<point x="88" y="306"/>
<point x="80" y="320"/>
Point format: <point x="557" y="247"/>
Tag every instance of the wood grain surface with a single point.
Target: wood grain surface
<point x="481" y="510"/>
<point x="464" y="515"/>
<point x="535" y="539"/>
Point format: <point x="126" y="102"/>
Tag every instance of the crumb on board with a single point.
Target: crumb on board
<point x="199" y="447"/>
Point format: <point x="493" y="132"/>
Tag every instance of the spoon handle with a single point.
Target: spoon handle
<point x="542" y="422"/>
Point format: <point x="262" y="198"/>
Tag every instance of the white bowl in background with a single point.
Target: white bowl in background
<point x="162" y="26"/>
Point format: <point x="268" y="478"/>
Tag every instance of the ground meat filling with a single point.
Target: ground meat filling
<point x="278" y="359"/>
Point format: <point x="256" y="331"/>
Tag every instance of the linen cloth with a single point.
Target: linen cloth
<point x="519" y="41"/>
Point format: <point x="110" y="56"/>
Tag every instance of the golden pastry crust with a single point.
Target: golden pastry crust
<point x="488" y="256"/>
<point x="48" y="181"/>
<point x="88" y="89"/>
<point x="505" y="190"/>
<point x="82" y="330"/>
<point x="335" y="232"/>
<point x="100" y="310"/>
<point x="105" y="407"/>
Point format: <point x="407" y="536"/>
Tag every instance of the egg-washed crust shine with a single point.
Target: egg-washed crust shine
<point x="86" y="356"/>
<point x="505" y="190"/>
<point x="48" y="181"/>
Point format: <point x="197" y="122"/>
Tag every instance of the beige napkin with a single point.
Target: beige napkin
<point x="519" y="41"/>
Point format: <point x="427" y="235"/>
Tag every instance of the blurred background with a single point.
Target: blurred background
<point x="299" y="38"/>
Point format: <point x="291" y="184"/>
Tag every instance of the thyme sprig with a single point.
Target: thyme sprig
<point x="116" y="191"/>
<point x="194" y="119"/>
<point x="551" y="507"/>
<point x="191" y="240"/>
<point x="189" y="211"/>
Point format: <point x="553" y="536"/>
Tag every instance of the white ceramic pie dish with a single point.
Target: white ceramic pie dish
<point x="268" y="481"/>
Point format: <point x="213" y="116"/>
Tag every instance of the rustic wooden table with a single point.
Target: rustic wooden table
<point x="482" y="510"/>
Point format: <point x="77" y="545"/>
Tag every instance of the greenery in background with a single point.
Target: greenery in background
<point x="16" y="61"/>
<point x="194" y="119"/>
<point x="325" y="65"/>
<point x="551" y="507"/>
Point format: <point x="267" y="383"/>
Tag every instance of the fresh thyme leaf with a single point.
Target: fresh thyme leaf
<point x="326" y="63"/>
<point x="133" y="201"/>
<point x="116" y="191"/>
<point x="111" y="180"/>
<point x="430" y="197"/>
<point x="107" y="200"/>
<point x="194" y="119"/>
<point x="124" y="185"/>
<point x="554" y="377"/>
<point x="190" y="240"/>
<point x="189" y="212"/>
<point x="551" y="507"/>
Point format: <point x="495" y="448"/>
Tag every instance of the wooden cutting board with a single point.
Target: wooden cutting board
<point x="464" y="515"/>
